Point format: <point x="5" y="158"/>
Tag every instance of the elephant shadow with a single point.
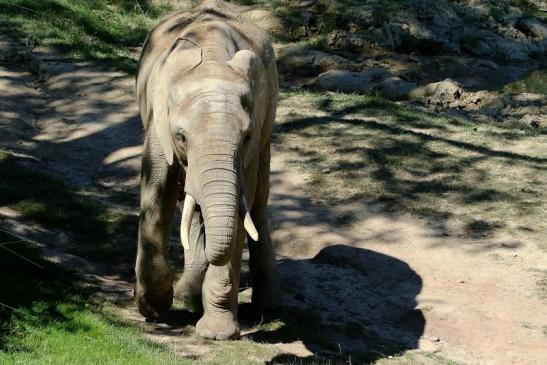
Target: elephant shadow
<point x="345" y="303"/>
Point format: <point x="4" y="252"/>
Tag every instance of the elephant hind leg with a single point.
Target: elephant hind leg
<point x="262" y="261"/>
<point x="154" y="284"/>
<point x="263" y="266"/>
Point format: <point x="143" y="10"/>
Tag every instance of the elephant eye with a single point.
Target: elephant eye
<point x="181" y="136"/>
<point x="246" y="102"/>
<point x="246" y="140"/>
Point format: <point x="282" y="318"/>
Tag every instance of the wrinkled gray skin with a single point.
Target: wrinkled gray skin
<point x="207" y="91"/>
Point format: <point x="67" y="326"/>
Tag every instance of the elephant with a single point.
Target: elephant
<point x="207" y="91"/>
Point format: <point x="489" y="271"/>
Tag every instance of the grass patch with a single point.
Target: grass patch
<point x="528" y="8"/>
<point x="534" y="82"/>
<point x="49" y="318"/>
<point x="98" y="30"/>
<point x="96" y="231"/>
<point x="486" y="178"/>
<point x="416" y="357"/>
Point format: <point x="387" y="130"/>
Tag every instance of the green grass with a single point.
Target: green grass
<point x="98" y="30"/>
<point x="96" y="231"/>
<point x="534" y="82"/>
<point x="484" y="178"/>
<point x="49" y="318"/>
<point x="528" y="8"/>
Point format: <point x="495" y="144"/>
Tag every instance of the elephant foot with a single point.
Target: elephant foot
<point x="152" y="304"/>
<point x="222" y="327"/>
<point x="188" y="291"/>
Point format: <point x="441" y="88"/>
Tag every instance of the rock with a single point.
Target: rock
<point x="486" y="44"/>
<point x="306" y="3"/>
<point x="446" y="89"/>
<point x="527" y="99"/>
<point x="532" y="27"/>
<point x="534" y="120"/>
<point x="511" y="50"/>
<point x="365" y="16"/>
<point x="343" y="40"/>
<point x="487" y="64"/>
<point x="541" y="5"/>
<point x="347" y="81"/>
<point x="296" y="59"/>
<point x="394" y="88"/>
<point x="510" y="20"/>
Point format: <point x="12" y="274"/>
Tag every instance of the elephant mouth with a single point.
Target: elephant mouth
<point x="189" y="206"/>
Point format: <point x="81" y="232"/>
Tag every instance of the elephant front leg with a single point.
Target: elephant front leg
<point x="188" y="288"/>
<point x="219" y="321"/>
<point x="220" y="289"/>
<point x="154" y="284"/>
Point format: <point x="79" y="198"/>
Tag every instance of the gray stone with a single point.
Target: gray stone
<point x="347" y="81"/>
<point x="487" y="64"/>
<point x="344" y="40"/>
<point x="528" y="99"/>
<point x="532" y="27"/>
<point x="442" y="89"/>
<point x="394" y="88"/>
<point x="297" y="59"/>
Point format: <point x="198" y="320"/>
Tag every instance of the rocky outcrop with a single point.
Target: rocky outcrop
<point x="428" y="53"/>
<point x="492" y="30"/>
<point x="395" y="88"/>
<point x="297" y="59"/>
<point x="351" y="82"/>
<point x="447" y="96"/>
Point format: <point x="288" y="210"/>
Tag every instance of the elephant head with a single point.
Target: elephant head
<point x="207" y="115"/>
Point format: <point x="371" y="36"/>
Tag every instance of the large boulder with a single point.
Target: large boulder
<point x="394" y="88"/>
<point x="348" y="81"/>
<point x="295" y="59"/>
<point x="441" y="92"/>
<point x="532" y="27"/>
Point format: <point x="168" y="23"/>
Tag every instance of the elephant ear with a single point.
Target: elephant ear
<point x="182" y="57"/>
<point x="247" y="63"/>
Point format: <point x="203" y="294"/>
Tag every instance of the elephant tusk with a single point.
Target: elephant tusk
<point x="186" y="220"/>
<point x="248" y="221"/>
<point x="250" y="227"/>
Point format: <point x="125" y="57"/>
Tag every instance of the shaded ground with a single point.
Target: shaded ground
<point x="367" y="272"/>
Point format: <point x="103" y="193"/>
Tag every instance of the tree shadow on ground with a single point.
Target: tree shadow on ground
<point x="94" y="231"/>
<point x="97" y="231"/>
<point x="345" y="303"/>
<point x="411" y="162"/>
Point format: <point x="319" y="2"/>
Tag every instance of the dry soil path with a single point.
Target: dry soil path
<point x="381" y="277"/>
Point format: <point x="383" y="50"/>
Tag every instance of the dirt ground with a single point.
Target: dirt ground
<point x="380" y="280"/>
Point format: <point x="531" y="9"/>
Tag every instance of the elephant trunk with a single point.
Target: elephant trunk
<point x="219" y="198"/>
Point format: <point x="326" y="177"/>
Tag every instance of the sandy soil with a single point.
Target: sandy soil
<point x="381" y="279"/>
